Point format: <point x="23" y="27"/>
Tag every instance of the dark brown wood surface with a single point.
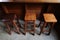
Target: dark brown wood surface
<point x="32" y="1"/>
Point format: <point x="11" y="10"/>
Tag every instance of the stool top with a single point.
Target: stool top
<point x="49" y="17"/>
<point x="30" y="16"/>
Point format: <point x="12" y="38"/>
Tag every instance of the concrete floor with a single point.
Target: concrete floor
<point x="14" y="36"/>
<point x="28" y="36"/>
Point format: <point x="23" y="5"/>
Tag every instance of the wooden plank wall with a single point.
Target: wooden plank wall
<point x="28" y="7"/>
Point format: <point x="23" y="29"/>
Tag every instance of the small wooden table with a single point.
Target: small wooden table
<point x="49" y="18"/>
<point x="30" y="17"/>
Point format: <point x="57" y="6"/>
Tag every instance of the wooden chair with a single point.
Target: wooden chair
<point x="49" y="18"/>
<point x="6" y="22"/>
<point x="16" y="10"/>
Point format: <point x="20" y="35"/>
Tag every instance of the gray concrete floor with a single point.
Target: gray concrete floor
<point x="28" y="36"/>
<point x="14" y="36"/>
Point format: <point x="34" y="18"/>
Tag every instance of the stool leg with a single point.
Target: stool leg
<point x="8" y="28"/>
<point x="51" y="29"/>
<point x="17" y="28"/>
<point x="43" y="27"/>
<point x="34" y="27"/>
<point x="39" y="24"/>
<point x="25" y="29"/>
<point x="18" y="23"/>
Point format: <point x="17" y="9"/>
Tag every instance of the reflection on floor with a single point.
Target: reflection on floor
<point x="28" y="36"/>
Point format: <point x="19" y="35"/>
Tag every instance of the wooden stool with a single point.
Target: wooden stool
<point x="49" y="18"/>
<point x="30" y="17"/>
<point x="6" y="22"/>
<point x="13" y="15"/>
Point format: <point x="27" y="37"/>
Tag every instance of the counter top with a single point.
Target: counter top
<point x="32" y="1"/>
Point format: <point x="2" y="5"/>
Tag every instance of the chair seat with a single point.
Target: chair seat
<point x="30" y="16"/>
<point x="49" y="17"/>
